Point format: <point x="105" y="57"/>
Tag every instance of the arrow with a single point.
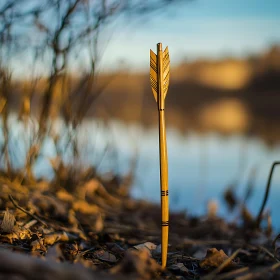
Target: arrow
<point x="159" y="77"/>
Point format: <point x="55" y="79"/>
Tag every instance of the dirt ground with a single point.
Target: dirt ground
<point x="94" y="230"/>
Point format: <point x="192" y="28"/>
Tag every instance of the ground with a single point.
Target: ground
<point x="94" y="230"/>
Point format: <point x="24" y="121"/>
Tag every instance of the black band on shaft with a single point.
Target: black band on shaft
<point x="164" y="193"/>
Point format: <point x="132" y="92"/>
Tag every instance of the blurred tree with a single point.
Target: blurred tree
<point x="56" y="31"/>
<point x="54" y="35"/>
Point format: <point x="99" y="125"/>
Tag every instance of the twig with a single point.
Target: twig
<point x="26" y="212"/>
<point x="233" y="273"/>
<point x="275" y="266"/>
<point x="259" y="274"/>
<point x="259" y="217"/>
<point x="269" y="253"/>
<point x="213" y="274"/>
<point x="236" y="242"/>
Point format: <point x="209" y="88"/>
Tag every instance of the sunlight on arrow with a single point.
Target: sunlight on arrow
<point x="159" y="77"/>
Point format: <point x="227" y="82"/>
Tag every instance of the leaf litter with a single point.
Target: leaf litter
<point x="97" y="231"/>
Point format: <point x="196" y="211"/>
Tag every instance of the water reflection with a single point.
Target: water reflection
<point x="200" y="166"/>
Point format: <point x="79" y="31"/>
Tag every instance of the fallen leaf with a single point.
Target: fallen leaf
<point x="214" y="258"/>
<point x="50" y="239"/>
<point x="37" y="245"/>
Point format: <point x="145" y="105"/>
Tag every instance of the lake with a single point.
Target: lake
<point x="200" y="166"/>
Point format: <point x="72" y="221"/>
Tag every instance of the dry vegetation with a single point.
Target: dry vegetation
<point x="89" y="228"/>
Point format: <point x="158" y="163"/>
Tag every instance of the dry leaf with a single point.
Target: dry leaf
<point x="50" y="239"/>
<point x="214" y="258"/>
<point x="37" y="245"/>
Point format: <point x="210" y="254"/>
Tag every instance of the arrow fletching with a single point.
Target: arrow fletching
<point x="166" y="64"/>
<point x="154" y="72"/>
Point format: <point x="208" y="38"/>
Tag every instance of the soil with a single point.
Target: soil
<point x="94" y="230"/>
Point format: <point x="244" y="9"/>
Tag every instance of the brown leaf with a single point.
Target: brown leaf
<point x="214" y="258"/>
<point x="52" y="238"/>
<point x="37" y="245"/>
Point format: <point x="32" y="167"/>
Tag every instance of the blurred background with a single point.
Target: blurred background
<point x="75" y="89"/>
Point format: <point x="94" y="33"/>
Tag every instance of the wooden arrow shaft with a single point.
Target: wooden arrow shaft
<point x="163" y="158"/>
<point x="164" y="187"/>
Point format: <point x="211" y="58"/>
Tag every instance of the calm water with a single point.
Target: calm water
<point x="200" y="166"/>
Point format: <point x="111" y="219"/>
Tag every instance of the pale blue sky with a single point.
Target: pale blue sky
<point x="192" y="30"/>
<point x="208" y="28"/>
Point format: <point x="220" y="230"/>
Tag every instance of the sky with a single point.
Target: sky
<point x="200" y="28"/>
<point x="192" y="30"/>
